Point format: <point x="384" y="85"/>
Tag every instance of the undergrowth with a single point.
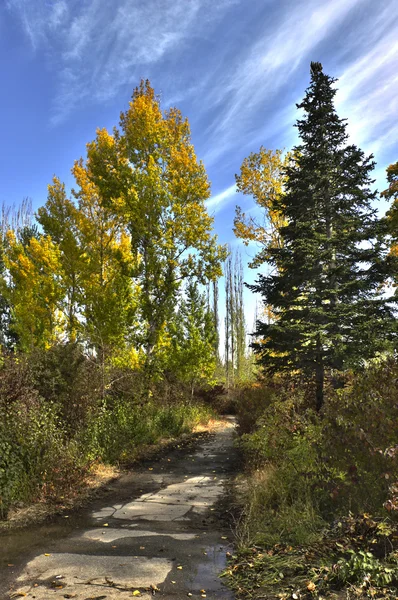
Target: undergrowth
<point x="320" y="496"/>
<point x="53" y="434"/>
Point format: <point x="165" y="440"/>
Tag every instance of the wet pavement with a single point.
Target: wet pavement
<point x="159" y="530"/>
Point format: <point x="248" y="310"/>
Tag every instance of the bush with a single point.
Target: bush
<point x="54" y="422"/>
<point x="37" y="461"/>
<point x="115" y="434"/>
<point x="64" y="375"/>
<point x="307" y="469"/>
<point x="359" y="440"/>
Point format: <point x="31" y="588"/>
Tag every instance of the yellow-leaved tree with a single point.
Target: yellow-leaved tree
<point x="262" y="176"/>
<point x="59" y="218"/>
<point x="391" y="193"/>
<point x="147" y="172"/>
<point x="34" y="289"/>
<point x="99" y="299"/>
<point x="109" y="295"/>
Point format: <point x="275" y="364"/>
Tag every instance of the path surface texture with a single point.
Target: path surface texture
<point x="157" y="531"/>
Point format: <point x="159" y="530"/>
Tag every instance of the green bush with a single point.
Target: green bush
<point x="37" y="460"/>
<point x="114" y="435"/>
<point x="307" y="469"/>
<point x="54" y="423"/>
<point x="281" y="505"/>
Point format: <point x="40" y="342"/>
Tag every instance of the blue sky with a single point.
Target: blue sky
<point x="235" y="68"/>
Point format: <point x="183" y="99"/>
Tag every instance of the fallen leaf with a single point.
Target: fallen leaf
<point x="311" y="586"/>
<point x="150" y="469"/>
<point x="47" y="554"/>
<point x="179" y="567"/>
<point x="136" y="593"/>
<point x="173" y="582"/>
<point x="189" y="594"/>
<point x="202" y="591"/>
<point x="11" y="565"/>
<point x="224" y="537"/>
<point x="105" y="525"/>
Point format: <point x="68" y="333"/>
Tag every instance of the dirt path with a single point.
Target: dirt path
<point x="159" y="532"/>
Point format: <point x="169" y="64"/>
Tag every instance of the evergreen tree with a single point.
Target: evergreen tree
<point x="327" y="293"/>
<point x="194" y="356"/>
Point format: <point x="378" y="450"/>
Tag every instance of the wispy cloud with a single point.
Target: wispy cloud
<point x="98" y="47"/>
<point x="219" y="201"/>
<point x="368" y="87"/>
<point x="270" y="63"/>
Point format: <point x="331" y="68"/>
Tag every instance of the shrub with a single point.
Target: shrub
<point x="316" y="467"/>
<point x="115" y="434"/>
<point x="64" y="375"/>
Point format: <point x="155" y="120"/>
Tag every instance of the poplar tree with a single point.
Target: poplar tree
<point x="391" y="193"/>
<point x="235" y="326"/>
<point x="327" y="289"/>
<point x="148" y="173"/>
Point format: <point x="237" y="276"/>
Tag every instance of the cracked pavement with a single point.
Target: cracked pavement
<point x="157" y="531"/>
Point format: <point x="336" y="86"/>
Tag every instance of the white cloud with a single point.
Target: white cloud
<point x="97" y="47"/>
<point x="219" y="201"/>
<point x="269" y="64"/>
<point x="368" y="88"/>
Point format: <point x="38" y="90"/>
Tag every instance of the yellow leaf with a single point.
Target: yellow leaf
<point x="136" y="593"/>
<point x="311" y="586"/>
<point x="179" y="567"/>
